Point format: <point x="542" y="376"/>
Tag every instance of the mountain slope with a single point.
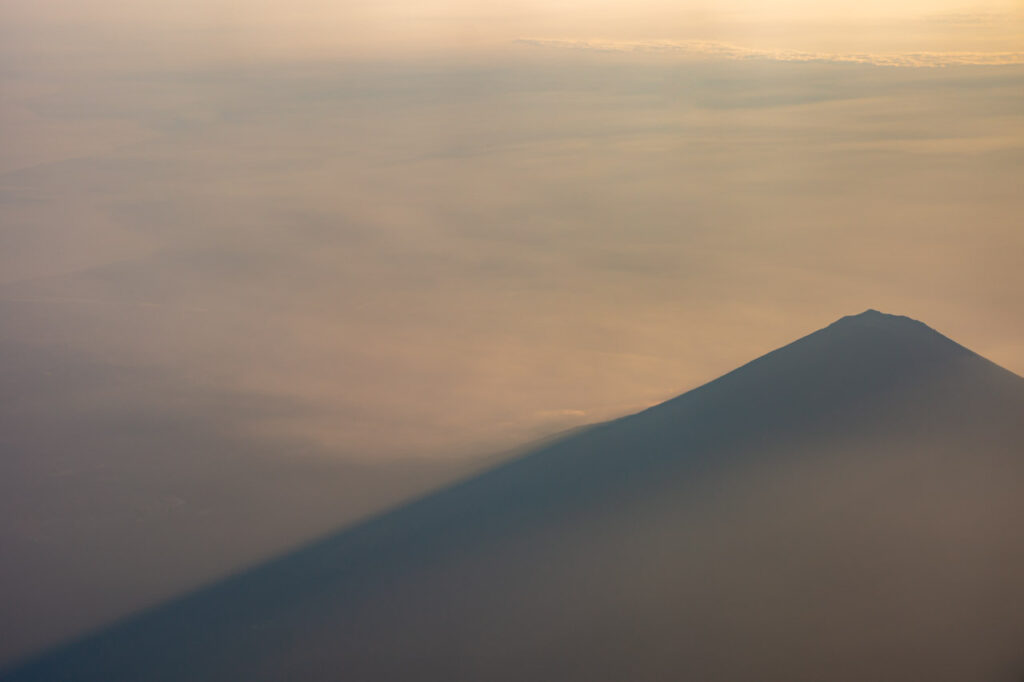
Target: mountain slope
<point x="844" y="508"/>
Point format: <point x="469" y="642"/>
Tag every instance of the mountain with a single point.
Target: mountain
<point x="847" y="507"/>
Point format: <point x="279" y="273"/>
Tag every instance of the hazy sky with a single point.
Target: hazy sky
<point x="317" y="241"/>
<point x="218" y="29"/>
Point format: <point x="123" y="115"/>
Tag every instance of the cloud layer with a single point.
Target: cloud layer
<point x="306" y="286"/>
<point x="707" y="49"/>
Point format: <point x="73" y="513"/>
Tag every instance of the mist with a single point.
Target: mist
<point x="250" y="294"/>
<point x="843" y="507"/>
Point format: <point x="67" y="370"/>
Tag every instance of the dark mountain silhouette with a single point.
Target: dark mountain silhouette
<point x="847" y="507"/>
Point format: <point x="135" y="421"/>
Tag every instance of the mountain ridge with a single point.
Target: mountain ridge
<point x="891" y="390"/>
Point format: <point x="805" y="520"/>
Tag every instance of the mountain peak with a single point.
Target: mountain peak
<point x="833" y="461"/>
<point x="871" y="313"/>
<point x="857" y="359"/>
<point x="876" y="317"/>
<point x="873" y="322"/>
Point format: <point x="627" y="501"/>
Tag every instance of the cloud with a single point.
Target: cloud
<point x="292" y="293"/>
<point x="708" y="49"/>
<point x="556" y="414"/>
<point x="972" y="18"/>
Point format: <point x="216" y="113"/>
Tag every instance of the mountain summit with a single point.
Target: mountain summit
<point x="897" y="328"/>
<point x="846" y="507"/>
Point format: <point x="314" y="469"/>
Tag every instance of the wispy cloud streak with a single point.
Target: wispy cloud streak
<point x="707" y="49"/>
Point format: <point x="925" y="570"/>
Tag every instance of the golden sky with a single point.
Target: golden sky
<point x="300" y="249"/>
<point x="633" y="174"/>
<point x="190" y="30"/>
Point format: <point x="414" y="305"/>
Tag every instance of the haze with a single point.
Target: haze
<point x="265" y="272"/>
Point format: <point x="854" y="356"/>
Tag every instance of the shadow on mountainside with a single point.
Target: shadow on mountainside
<point x="844" y="508"/>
